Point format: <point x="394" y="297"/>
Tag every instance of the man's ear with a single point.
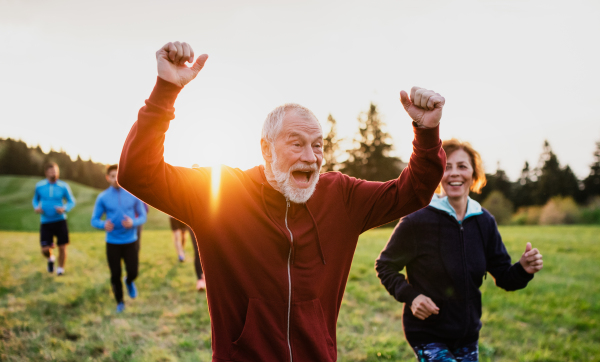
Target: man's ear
<point x="265" y="147"/>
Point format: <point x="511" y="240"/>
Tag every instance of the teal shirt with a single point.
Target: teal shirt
<point x="442" y="203"/>
<point x="49" y="195"/>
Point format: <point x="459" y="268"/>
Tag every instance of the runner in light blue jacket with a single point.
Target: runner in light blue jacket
<point x="124" y="213"/>
<point x="49" y="201"/>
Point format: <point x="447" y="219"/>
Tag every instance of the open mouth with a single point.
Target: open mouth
<point x="455" y="183"/>
<point x="302" y="177"/>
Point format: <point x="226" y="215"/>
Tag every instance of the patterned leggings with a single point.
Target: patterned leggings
<point x="440" y="352"/>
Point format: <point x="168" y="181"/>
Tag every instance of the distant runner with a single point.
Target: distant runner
<point x="124" y="213"/>
<point x="200" y="282"/>
<point x="48" y="201"/>
<point x="179" y="230"/>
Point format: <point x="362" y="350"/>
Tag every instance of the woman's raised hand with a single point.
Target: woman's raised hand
<point x="422" y="307"/>
<point x="531" y="260"/>
<point x="171" y="59"/>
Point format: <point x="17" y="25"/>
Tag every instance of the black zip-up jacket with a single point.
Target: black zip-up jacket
<point x="446" y="261"/>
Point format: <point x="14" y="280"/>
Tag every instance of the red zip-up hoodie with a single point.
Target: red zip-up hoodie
<point x="275" y="271"/>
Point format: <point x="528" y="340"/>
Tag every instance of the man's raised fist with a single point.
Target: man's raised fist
<point x="424" y="106"/>
<point x="171" y="59"/>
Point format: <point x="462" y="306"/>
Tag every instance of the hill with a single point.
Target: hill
<point x="16" y="211"/>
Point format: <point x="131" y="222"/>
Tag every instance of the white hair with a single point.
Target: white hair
<point x="274" y="120"/>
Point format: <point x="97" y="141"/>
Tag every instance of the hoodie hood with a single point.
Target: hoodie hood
<point x="442" y="203"/>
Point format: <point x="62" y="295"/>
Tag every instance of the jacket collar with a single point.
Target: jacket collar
<point x="442" y="203"/>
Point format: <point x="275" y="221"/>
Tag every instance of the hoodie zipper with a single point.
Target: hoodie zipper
<point x="289" y="280"/>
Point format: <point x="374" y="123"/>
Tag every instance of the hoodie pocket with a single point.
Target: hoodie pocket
<point x="309" y="334"/>
<point x="262" y="338"/>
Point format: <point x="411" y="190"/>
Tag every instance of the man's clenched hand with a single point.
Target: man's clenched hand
<point x="171" y="59"/>
<point x="424" y="106"/>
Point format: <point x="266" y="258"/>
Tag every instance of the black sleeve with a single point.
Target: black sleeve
<point x="399" y="251"/>
<point x="508" y="276"/>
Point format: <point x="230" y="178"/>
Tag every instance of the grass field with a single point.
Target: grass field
<point x="71" y="318"/>
<point x="16" y="210"/>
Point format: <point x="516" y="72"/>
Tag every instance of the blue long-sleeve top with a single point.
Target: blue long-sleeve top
<point x="116" y="204"/>
<point x="50" y="195"/>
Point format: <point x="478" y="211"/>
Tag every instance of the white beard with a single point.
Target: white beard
<point x="283" y="180"/>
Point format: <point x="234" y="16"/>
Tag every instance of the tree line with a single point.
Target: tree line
<point x="16" y="158"/>
<point x="370" y="159"/>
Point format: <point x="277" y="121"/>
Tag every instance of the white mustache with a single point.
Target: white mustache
<point x="303" y="167"/>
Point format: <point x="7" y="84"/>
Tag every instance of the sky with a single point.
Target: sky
<point x="514" y="73"/>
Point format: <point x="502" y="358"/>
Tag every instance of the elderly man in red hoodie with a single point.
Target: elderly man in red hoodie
<point x="276" y="245"/>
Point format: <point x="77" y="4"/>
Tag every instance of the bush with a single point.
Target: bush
<point x="499" y="206"/>
<point x="591" y="214"/>
<point x="560" y="210"/>
<point x="527" y="215"/>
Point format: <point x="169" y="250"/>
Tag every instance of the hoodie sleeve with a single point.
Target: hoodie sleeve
<point x="177" y="191"/>
<point x="371" y="204"/>
<point x="69" y="197"/>
<point x="97" y="213"/>
<point x="508" y="276"/>
<point x="399" y="251"/>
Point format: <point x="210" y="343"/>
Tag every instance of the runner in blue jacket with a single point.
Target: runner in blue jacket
<point x="124" y="213"/>
<point x="49" y="201"/>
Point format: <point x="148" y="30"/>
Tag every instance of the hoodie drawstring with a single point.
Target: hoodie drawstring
<point x="262" y="195"/>
<point x="318" y="238"/>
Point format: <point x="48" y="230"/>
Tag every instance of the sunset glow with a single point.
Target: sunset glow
<point x="215" y="185"/>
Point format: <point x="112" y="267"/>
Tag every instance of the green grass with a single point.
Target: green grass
<point x="71" y="318"/>
<point x="16" y="210"/>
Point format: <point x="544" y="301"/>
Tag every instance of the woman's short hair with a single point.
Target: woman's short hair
<point x="479" y="179"/>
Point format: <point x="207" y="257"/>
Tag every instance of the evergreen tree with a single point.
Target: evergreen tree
<point x="524" y="188"/>
<point x="370" y="160"/>
<point x="495" y="182"/>
<point x="331" y="147"/>
<point x="552" y="180"/>
<point x="592" y="182"/>
<point x="16" y="158"/>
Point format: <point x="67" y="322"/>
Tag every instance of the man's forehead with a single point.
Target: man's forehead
<point x="297" y="126"/>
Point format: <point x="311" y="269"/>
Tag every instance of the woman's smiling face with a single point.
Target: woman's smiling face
<point x="458" y="176"/>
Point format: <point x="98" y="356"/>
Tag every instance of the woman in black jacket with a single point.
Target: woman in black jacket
<point x="447" y="248"/>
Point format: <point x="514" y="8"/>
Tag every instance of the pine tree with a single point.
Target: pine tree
<point x="524" y="188"/>
<point x="495" y="182"/>
<point x="552" y="180"/>
<point x="370" y="160"/>
<point x="331" y="147"/>
<point x="592" y="182"/>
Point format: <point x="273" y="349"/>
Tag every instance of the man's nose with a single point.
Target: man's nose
<point x="308" y="155"/>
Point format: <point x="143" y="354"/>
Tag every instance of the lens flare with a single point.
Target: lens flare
<point x="215" y="185"/>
